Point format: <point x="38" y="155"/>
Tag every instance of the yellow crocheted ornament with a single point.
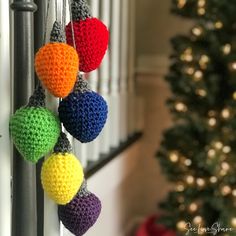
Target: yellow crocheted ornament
<point x="62" y="176"/>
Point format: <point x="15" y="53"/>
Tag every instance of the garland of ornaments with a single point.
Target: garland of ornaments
<point x="36" y="131"/>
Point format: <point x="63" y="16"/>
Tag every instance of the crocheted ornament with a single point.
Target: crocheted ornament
<point x="81" y="213"/>
<point x="90" y="34"/>
<point x="83" y="113"/>
<point x="34" y="129"/>
<point x="57" y="63"/>
<point x="62" y="174"/>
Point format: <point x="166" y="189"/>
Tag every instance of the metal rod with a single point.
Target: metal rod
<point x="39" y="29"/>
<point x="24" y="219"/>
<point x="5" y="104"/>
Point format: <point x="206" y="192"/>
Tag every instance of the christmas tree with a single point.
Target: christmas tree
<point x="198" y="154"/>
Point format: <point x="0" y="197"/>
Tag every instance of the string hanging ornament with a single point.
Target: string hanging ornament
<point x="56" y="63"/>
<point x="81" y="213"/>
<point x="84" y="112"/>
<point x="62" y="174"/>
<point x="34" y="129"/>
<point x="89" y="35"/>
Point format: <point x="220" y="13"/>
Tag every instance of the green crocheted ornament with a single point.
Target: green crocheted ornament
<point x="34" y="129"/>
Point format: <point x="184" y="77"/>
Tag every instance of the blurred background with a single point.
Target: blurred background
<point x="120" y="166"/>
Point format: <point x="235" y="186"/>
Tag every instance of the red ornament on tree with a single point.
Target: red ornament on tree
<point x="151" y="228"/>
<point x="90" y="34"/>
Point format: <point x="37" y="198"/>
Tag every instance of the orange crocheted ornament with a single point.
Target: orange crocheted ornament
<point x="56" y="65"/>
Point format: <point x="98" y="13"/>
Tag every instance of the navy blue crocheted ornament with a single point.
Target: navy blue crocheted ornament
<point x="83" y="113"/>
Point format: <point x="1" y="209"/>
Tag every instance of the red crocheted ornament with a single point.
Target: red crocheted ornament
<point x="91" y="39"/>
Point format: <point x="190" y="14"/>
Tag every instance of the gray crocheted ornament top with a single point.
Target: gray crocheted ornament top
<point x="82" y="85"/>
<point x="80" y="10"/>
<point x="83" y="191"/>
<point x="38" y="98"/>
<point x="57" y="33"/>
<point x="63" y="144"/>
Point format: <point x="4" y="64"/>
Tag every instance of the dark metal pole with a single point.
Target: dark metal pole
<point x="39" y="25"/>
<point x="24" y="218"/>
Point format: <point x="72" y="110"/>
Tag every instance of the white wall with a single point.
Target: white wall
<point x="118" y="188"/>
<point x="155" y="25"/>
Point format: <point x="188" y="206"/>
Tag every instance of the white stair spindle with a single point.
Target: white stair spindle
<point x="104" y="81"/>
<point x="81" y="149"/>
<point x="131" y="75"/>
<point x="124" y="72"/>
<point x="5" y="104"/>
<point x="51" y="221"/>
<point x="115" y="75"/>
<point x="93" y="147"/>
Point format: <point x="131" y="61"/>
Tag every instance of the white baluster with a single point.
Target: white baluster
<point x="5" y="104"/>
<point x="51" y="221"/>
<point x="131" y="73"/>
<point x="104" y="81"/>
<point x="115" y="75"/>
<point x="81" y="151"/>
<point x="93" y="147"/>
<point x="124" y="72"/>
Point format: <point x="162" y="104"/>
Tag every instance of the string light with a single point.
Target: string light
<point x="225" y="166"/>
<point x="233" y="221"/>
<point x="201" y="3"/>
<point x="201" y="182"/>
<point x="201" y="11"/>
<point x="190" y="179"/>
<point x="234" y="95"/>
<point x="181" y="225"/>
<point x="204" y="60"/>
<point x="218" y="145"/>
<point x="226" y="149"/>
<point x="234" y="192"/>
<point x="189" y="70"/>
<point x="187" y="55"/>
<point x="218" y="25"/>
<point x="181" y="107"/>
<point x="180" y="187"/>
<point x="223" y="173"/>
<point x="211" y="153"/>
<point x="226" y="190"/>
<point x="226" y="49"/>
<point x="212" y="121"/>
<point x="181" y="3"/>
<point x="197" y="220"/>
<point x="213" y="179"/>
<point x="232" y="66"/>
<point x="225" y="113"/>
<point x="174" y="157"/>
<point x="193" y="207"/>
<point x="188" y="162"/>
<point x="198" y="75"/>
<point x="201" y="7"/>
<point x="197" y="31"/>
<point x="201" y="92"/>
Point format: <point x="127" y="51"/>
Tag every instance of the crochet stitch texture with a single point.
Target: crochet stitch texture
<point x="34" y="131"/>
<point x="83" y="115"/>
<point x="61" y="176"/>
<point x="80" y="214"/>
<point x="91" y="39"/>
<point x="56" y="65"/>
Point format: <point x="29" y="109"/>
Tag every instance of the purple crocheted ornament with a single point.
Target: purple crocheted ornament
<point x="81" y="213"/>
